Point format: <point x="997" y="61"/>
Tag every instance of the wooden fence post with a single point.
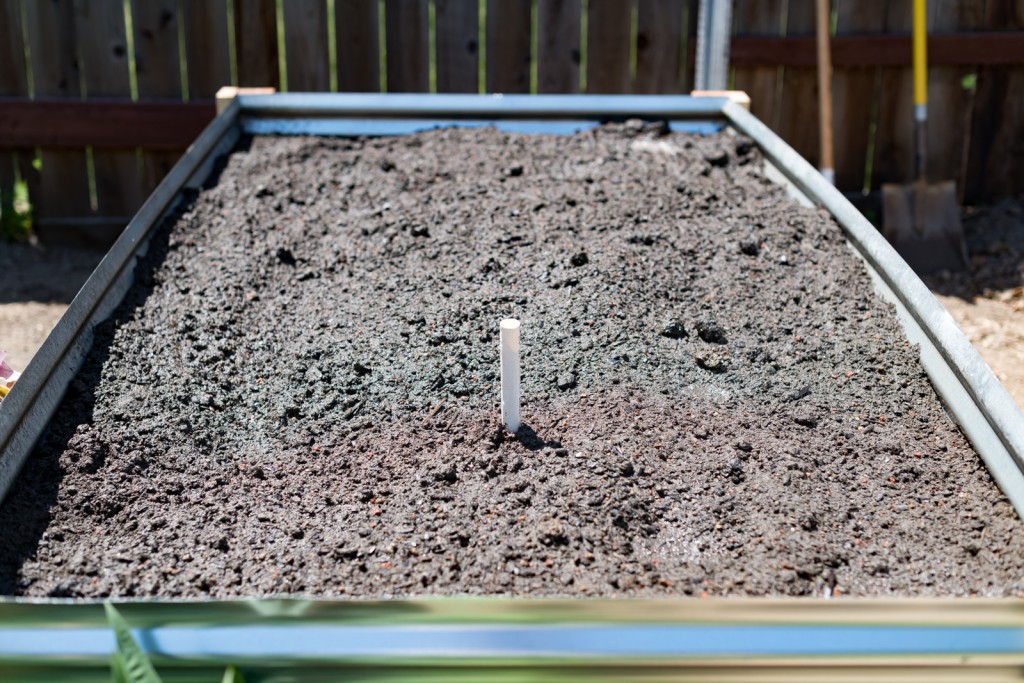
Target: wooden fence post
<point x="407" y="45"/>
<point x="63" y="180"/>
<point x="798" y="110"/>
<point x="658" y="40"/>
<point x="358" y="49"/>
<point x="609" y="39"/>
<point x="558" y="46"/>
<point x="759" y="18"/>
<point x="995" y="166"/>
<point x="508" y="46"/>
<point x="458" y="46"/>
<point x="207" y="48"/>
<point x="158" y="72"/>
<point x="306" y="49"/>
<point x="256" y="43"/>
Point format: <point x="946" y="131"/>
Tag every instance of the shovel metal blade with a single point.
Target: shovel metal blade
<point x="922" y="222"/>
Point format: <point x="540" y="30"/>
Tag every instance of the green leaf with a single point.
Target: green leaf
<point x="117" y="674"/>
<point x="133" y="663"/>
<point x="232" y="675"/>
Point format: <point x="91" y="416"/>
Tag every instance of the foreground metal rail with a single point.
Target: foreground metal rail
<point x="494" y="639"/>
<point x="770" y="640"/>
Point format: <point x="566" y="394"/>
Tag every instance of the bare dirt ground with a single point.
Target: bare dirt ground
<point x="987" y="301"/>
<point x="36" y="286"/>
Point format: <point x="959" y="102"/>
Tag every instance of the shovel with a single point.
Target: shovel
<point x="826" y="163"/>
<point x="922" y="220"/>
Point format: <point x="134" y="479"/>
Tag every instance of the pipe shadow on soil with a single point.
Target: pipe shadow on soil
<point x="25" y="514"/>
<point x="532" y="441"/>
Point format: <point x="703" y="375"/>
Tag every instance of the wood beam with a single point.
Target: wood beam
<point x="983" y="48"/>
<point x="102" y="123"/>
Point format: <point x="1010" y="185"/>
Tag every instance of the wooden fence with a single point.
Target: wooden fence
<point x="98" y="98"/>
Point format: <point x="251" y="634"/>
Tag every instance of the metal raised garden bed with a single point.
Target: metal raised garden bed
<point x="473" y="639"/>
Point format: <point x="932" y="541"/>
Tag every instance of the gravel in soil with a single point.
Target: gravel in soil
<point x="300" y="395"/>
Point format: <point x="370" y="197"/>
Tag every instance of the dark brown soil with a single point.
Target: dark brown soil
<point x="301" y="394"/>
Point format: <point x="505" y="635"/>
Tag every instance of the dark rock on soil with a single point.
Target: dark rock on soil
<point x="674" y="330"/>
<point x="239" y="429"/>
<point x="750" y="247"/>
<point x="711" y="332"/>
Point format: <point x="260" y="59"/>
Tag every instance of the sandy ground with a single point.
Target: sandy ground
<point x="987" y="302"/>
<point x="996" y="328"/>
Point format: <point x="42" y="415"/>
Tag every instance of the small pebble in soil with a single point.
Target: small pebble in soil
<point x="800" y="393"/>
<point x="285" y="256"/>
<point x="566" y="381"/>
<point x="736" y="470"/>
<point x="719" y="160"/>
<point x="711" y="361"/>
<point x="657" y="129"/>
<point x="805" y="418"/>
<point x="580" y="259"/>
<point x="674" y="330"/>
<point x="711" y="332"/>
<point x="744" y="147"/>
<point x="750" y="247"/>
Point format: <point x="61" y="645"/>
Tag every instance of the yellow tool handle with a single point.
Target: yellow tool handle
<point x="920" y="57"/>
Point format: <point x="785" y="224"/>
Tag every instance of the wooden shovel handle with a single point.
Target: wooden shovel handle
<point x="827" y="161"/>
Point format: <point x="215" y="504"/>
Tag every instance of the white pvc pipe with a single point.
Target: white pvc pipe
<point x="510" y="374"/>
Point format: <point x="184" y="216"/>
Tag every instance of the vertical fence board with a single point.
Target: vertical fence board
<point x="658" y="41"/>
<point x="798" y="110"/>
<point x="609" y="40"/>
<point x="970" y="17"/>
<point x="894" y="134"/>
<point x="207" y="51"/>
<point x="13" y="73"/>
<point x="758" y="18"/>
<point x="62" y="182"/>
<point x="689" y="46"/>
<point x="103" y="49"/>
<point x="996" y="159"/>
<point x="158" y="72"/>
<point x="8" y="162"/>
<point x="305" y="46"/>
<point x="458" y="51"/>
<point x="157" y="65"/>
<point x="947" y="99"/>
<point x="356" y="31"/>
<point x="256" y="43"/>
<point x="407" y="45"/>
<point x="558" y="46"/>
<point x="13" y="83"/>
<point x="853" y="93"/>
<point x="508" y="46"/>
